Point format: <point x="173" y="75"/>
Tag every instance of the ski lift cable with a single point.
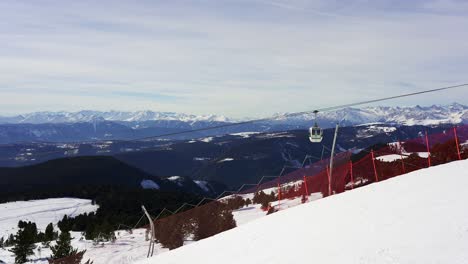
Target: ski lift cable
<point x="325" y="109"/>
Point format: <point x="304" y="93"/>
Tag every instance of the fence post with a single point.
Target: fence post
<point x="375" y="168"/>
<point x="153" y="236"/>
<point x="351" y="173"/>
<point x="279" y="193"/>
<point x="329" y="182"/>
<point x="401" y="157"/>
<point x="428" y="151"/>
<point x="456" y="142"/>
<point x="305" y="186"/>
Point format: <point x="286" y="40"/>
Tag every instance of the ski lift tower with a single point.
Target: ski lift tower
<point x="316" y="136"/>
<point x="331" y="160"/>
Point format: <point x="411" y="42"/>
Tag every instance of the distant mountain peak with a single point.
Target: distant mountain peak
<point x="92" y="116"/>
<point x="404" y="115"/>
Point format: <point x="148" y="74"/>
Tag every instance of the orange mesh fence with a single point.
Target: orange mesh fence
<point x="309" y="170"/>
<point x="377" y="165"/>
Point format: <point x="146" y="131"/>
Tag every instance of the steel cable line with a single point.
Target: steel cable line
<point x="324" y="109"/>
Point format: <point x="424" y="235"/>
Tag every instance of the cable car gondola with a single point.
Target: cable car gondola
<point x="315" y="132"/>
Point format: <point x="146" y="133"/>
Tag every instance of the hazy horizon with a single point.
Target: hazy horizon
<point x="215" y="114"/>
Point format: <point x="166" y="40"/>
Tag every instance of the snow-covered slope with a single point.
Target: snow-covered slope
<point x="41" y="212"/>
<point x="420" y="217"/>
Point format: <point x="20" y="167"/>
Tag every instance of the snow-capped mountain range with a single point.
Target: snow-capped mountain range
<point x="115" y="125"/>
<point x="415" y="115"/>
<point x="93" y="116"/>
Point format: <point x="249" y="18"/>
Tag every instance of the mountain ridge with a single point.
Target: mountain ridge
<point x="408" y="115"/>
<point x="97" y="126"/>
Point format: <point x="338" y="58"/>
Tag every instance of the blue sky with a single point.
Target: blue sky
<point x="233" y="57"/>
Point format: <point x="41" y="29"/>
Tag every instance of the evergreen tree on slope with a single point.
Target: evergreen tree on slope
<point x="24" y="242"/>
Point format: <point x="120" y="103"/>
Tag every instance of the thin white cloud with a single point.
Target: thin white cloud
<point x="214" y="59"/>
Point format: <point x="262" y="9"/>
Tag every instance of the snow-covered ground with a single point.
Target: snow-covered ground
<point x="245" y="134"/>
<point x="207" y="139"/>
<point x="128" y="248"/>
<point x="390" y="157"/>
<point x="393" y="157"/>
<point x="203" y="185"/>
<point x="226" y="159"/>
<point x="419" y="217"/>
<point x="41" y="212"/>
<point x="149" y="184"/>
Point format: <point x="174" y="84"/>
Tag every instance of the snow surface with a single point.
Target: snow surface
<point x="245" y="134"/>
<point x="149" y="184"/>
<point x="201" y="158"/>
<point x="207" y="139"/>
<point x="128" y="248"/>
<point x="423" y="154"/>
<point x="277" y="135"/>
<point x="226" y="159"/>
<point x="390" y="157"/>
<point x="41" y="212"/>
<point x="393" y="157"/>
<point x="419" y="217"/>
<point x="203" y="185"/>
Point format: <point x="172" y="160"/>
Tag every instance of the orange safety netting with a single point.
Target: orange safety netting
<point x="381" y="164"/>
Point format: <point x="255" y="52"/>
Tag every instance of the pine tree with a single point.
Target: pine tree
<point x="65" y="224"/>
<point x="63" y="248"/>
<point x="10" y="241"/>
<point x="90" y="232"/>
<point x="248" y="202"/>
<point x="24" y="242"/>
<point x="1" y="242"/>
<point x="49" y="233"/>
<point x="40" y="237"/>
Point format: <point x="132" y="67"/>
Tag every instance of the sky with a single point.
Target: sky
<point x="239" y="58"/>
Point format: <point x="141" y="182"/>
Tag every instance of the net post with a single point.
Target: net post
<point x="428" y="151"/>
<point x="456" y="142"/>
<point x="279" y="193"/>
<point x="375" y="168"/>
<point x="400" y="148"/>
<point x="351" y="173"/>
<point x="305" y="186"/>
